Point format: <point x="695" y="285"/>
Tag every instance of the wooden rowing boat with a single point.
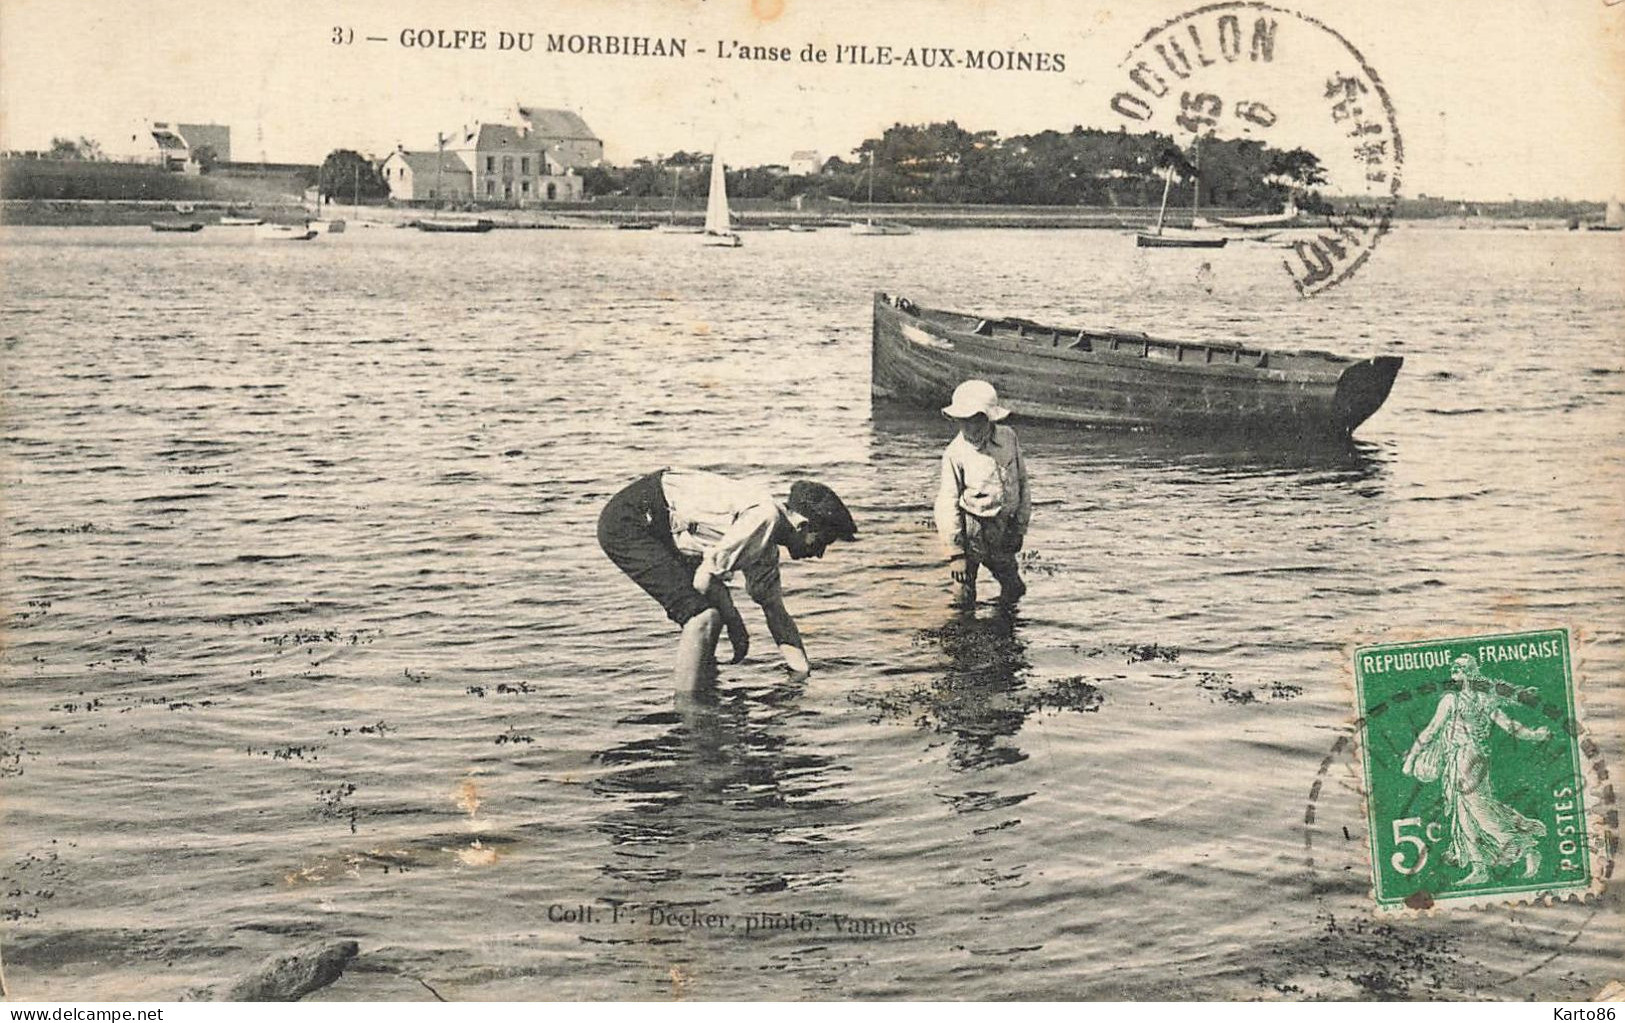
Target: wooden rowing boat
<point x="1125" y="379"/>
<point x="455" y="225"/>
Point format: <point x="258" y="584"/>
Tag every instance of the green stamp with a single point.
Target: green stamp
<point x="1475" y="789"/>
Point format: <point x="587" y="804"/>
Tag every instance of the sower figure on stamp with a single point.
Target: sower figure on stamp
<point x="983" y="503"/>
<point x="1454" y="750"/>
<point x="680" y="533"/>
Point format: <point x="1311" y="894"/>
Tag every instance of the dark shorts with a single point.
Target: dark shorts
<point x="634" y="529"/>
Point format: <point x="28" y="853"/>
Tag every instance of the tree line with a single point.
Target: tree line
<point x="944" y="163"/>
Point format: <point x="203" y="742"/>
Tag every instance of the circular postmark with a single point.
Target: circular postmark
<point x="1291" y="84"/>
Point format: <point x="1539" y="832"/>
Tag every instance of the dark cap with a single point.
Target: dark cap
<point x="822" y="507"/>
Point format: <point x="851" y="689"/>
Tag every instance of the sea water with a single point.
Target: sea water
<point x="308" y="636"/>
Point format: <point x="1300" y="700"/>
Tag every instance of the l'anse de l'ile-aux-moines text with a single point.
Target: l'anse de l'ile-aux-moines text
<point x="865" y="54"/>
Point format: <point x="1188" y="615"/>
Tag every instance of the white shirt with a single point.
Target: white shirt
<point x="988" y="482"/>
<point x="728" y="524"/>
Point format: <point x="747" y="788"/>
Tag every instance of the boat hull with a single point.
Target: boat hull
<point x="1121" y="379"/>
<point x="1163" y="241"/>
<point x="177" y="227"/>
<point x="285" y="233"/>
<point x="479" y="226"/>
<point x="873" y="229"/>
<point x="721" y="241"/>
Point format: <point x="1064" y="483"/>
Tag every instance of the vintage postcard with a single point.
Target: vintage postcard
<point x="753" y="500"/>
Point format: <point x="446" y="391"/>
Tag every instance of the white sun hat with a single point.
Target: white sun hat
<point x="975" y="396"/>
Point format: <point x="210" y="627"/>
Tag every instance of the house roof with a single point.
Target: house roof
<point x="558" y="124"/>
<point x="506" y="136"/>
<point x="423" y="163"/>
<point x="168" y="140"/>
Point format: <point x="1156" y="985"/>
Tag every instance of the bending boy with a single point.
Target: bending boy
<point x="679" y="533"/>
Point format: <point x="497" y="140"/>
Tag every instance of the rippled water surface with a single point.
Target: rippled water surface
<point x="308" y="636"/>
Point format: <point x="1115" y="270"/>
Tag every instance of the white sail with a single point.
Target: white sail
<point x="718" y="225"/>
<point x="716" y="208"/>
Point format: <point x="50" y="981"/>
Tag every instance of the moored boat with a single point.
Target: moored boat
<point x="455" y="225"/>
<point x="186" y="226"/>
<point x="873" y="228"/>
<point x="1123" y="379"/>
<point x="285" y="232"/>
<point x="236" y="221"/>
<point x="1171" y="239"/>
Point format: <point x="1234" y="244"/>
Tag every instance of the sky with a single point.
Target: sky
<point x="1494" y="100"/>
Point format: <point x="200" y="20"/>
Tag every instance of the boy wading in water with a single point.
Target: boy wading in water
<point x="983" y="505"/>
<point x="679" y="533"/>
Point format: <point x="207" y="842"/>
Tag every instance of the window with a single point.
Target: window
<point x="490" y="165"/>
<point x="524" y="186"/>
<point x="524" y="165"/>
<point x="490" y="188"/>
<point x="507" y="166"/>
<point x="552" y="190"/>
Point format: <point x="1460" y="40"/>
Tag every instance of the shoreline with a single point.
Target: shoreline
<point x="141" y="213"/>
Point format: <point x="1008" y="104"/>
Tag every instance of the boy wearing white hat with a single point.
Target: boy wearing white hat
<point x="983" y="504"/>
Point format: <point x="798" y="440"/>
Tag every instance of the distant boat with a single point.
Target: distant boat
<point x="799" y="228"/>
<point x="1169" y="238"/>
<point x="869" y="226"/>
<point x="1120" y="378"/>
<point x="1173" y="238"/>
<point x="1613" y="219"/>
<point x="186" y="226"/>
<point x="634" y="225"/>
<point x="872" y="227"/>
<point x="285" y="232"/>
<point x="1286" y="218"/>
<point x="455" y="225"/>
<point x="718" y="224"/>
<point x="241" y="221"/>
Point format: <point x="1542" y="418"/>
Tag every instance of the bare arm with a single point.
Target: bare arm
<point x="1518" y="729"/>
<point x="787" y="636"/>
<point x="738" y="638"/>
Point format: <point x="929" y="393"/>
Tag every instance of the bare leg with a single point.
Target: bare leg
<point x="697" y="647"/>
<point x="1531" y="863"/>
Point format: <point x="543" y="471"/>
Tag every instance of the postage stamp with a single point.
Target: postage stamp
<point x="1475" y="786"/>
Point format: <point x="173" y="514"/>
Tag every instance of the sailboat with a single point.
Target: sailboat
<point x="718" y="225"/>
<point x="1613" y="218"/>
<point x="1170" y="238"/>
<point x="870" y="226"/>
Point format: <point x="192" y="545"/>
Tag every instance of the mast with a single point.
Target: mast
<point x="1167" y="184"/>
<point x="674" y="173"/>
<point x="1196" y="179"/>
<point x="871" y="210"/>
<point x="439" y="163"/>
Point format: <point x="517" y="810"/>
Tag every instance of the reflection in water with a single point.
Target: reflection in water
<point x="982" y="696"/>
<point x="904" y="432"/>
<point x="719" y="798"/>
